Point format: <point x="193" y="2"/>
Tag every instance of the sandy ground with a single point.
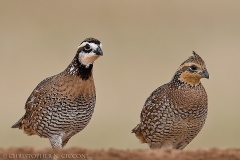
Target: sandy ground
<point x="115" y="154"/>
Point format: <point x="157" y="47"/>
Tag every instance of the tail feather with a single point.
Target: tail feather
<point x="134" y="130"/>
<point x="24" y="125"/>
<point x="138" y="133"/>
<point x="18" y="124"/>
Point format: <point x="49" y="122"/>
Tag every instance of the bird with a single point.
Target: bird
<point x="175" y="112"/>
<point x="62" y="105"/>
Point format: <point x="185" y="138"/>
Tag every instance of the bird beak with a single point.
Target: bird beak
<point x="98" y="51"/>
<point x="205" y="74"/>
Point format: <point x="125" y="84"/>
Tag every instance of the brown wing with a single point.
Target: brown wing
<point x="34" y="106"/>
<point x="159" y="122"/>
<point x="154" y="101"/>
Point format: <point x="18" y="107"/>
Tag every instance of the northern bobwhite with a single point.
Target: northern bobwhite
<point x="62" y="105"/>
<point x="175" y="112"/>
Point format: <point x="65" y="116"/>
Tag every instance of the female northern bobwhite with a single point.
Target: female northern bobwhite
<point x="175" y="112"/>
<point x="62" y="105"/>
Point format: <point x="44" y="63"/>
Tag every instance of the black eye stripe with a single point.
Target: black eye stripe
<point x="87" y="47"/>
<point x="193" y="67"/>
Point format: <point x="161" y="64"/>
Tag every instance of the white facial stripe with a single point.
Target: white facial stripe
<point x="83" y="44"/>
<point x="93" y="45"/>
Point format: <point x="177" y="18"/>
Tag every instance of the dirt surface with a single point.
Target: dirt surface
<point x="115" y="154"/>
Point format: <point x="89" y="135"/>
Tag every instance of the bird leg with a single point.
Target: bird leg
<point x="56" y="141"/>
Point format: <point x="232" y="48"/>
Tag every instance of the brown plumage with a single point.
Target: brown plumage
<point x="62" y="105"/>
<point x="175" y="112"/>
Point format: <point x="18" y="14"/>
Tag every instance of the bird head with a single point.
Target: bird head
<point x="89" y="50"/>
<point x="192" y="70"/>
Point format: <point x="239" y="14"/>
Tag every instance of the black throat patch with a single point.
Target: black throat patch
<point x="78" y="69"/>
<point x="84" y="71"/>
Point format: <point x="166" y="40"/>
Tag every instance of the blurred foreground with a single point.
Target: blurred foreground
<point x="115" y="154"/>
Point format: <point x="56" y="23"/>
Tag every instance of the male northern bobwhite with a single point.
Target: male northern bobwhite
<point x="175" y="112"/>
<point x="62" y="105"/>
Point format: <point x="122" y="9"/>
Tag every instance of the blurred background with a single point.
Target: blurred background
<point x="144" y="42"/>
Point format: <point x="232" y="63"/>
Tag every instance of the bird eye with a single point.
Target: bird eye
<point x="193" y="67"/>
<point x="87" y="47"/>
